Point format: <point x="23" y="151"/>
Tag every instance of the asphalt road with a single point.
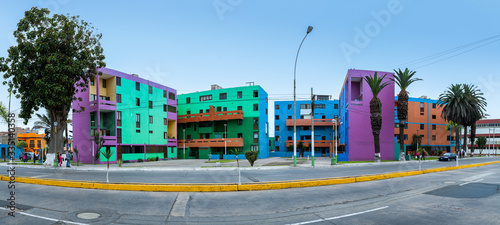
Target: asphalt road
<point x="467" y="196"/>
<point x="231" y="176"/>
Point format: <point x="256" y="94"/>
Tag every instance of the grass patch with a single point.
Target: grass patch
<point x="298" y="159"/>
<point x="351" y="162"/>
<point x="221" y="161"/>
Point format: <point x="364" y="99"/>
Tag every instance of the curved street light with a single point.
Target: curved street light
<point x="309" y="29"/>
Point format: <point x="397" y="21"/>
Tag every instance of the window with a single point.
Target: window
<point x="201" y="110"/>
<point x="137" y="86"/>
<point x="256" y="137"/>
<point x="118" y="81"/>
<point x="277" y="128"/>
<point x="150" y="104"/>
<point x="255" y="93"/>
<point x="119" y="135"/>
<point x="206" y="124"/>
<point x="222" y="96"/>
<point x="433" y="127"/>
<point x="172" y="109"/>
<point x="165" y="121"/>
<point x="323" y="117"/>
<point x="433" y="137"/>
<point x="422" y="107"/>
<point x="319" y="106"/>
<point x="277" y="138"/>
<point x="92" y="83"/>
<point x="171" y="96"/>
<point x="137" y="101"/>
<point x="151" y="132"/>
<point x="289" y="106"/>
<point x="207" y="111"/>
<point x="240" y="107"/>
<point x="323" y="97"/>
<point x="290" y="128"/>
<point x="433" y="105"/>
<point x="32" y="143"/>
<point x="118" y="118"/>
<point x="276" y="117"/>
<point x="289" y="117"/>
<point x="240" y="135"/>
<point x="138" y="131"/>
<point x="164" y="107"/>
<point x="150" y="119"/>
<point x="219" y="108"/>
<point x="422" y="126"/>
<point x="255" y="107"/>
<point x="138" y="120"/>
<point x="205" y="98"/>
<point x="256" y="123"/>
<point x="93" y="97"/>
<point x="164" y="93"/>
<point x="103" y="83"/>
<point x="336" y="106"/>
<point x="118" y="98"/>
<point x="323" y="138"/>
<point x="406" y="126"/>
<point x="276" y="106"/>
<point x="266" y="111"/>
<point x="240" y="122"/>
<point x="254" y="148"/>
<point x="433" y="117"/>
<point x="305" y="106"/>
<point x="290" y="138"/>
<point x="239" y="95"/>
<point x="165" y="135"/>
<point x="406" y="137"/>
<point x="224" y="109"/>
<point x="150" y="90"/>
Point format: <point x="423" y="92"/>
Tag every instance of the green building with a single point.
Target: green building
<point x="206" y="118"/>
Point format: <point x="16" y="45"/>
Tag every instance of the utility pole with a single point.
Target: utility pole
<point x="312" y="128"/>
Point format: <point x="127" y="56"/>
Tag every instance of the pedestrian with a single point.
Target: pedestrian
<point x="24" y="157"/>
<point x="60" y="159"/>
<point x="68" y="159"/>
<point x="418" y="155"/>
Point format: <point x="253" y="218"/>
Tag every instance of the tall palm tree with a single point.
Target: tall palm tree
<point x="403" y="79"/>
<point x="457" y="129"/>
<point x="376" y="85"/>
<point x="474" y="97"/>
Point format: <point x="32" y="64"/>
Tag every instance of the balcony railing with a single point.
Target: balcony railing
<point x="210" y="116"/>
<point x="198" y="143"/>
<point x="307" y="122"/>
<point x="317" y="143"/>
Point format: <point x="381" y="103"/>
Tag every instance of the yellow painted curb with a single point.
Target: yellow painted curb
<point x="159" y="187"/>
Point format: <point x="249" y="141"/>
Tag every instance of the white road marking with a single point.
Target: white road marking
<point x="179" y="208"/>
<point x="45" y="175"/>
<point x="46" y="218"/>
<point x="474" y="181"/>
<point x="476" y="177"/>
<point x="339" y="217"/>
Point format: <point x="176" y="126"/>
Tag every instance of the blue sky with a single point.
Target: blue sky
<point x="189" y="45"/>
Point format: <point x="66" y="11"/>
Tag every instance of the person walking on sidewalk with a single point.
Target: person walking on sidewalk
<point x="68" y="159"/>
<point x="59" y="156"/>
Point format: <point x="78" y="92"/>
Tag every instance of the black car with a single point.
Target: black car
<point x="448" y="157"/>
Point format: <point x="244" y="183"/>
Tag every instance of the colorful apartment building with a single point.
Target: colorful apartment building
<point x="136" y="117"/>
<point x="424" y="120"/>
<point x="356" y="138"/>
<point x="489" y="128"/>
<point x="36" y="142"/>
<point x="211" y="123"/>
<point x="325" y="111"/>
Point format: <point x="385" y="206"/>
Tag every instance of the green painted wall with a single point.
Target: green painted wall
<point x="129" y="110"/>
<point x="113" y="157"/>
<point x="216" y="130"/>
<point x="136" y="156"/>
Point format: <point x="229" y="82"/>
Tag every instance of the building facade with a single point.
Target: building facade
<point x="424" y="120"/>
<point x="489" y="128"/>
<point x="211" y="123"/>
<point x="36" y="142"/>
<point x="136" y="117"/>
<point x="325" y="111"/>
<point x="356" y="138"/>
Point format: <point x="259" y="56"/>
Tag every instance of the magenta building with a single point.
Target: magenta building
<point x="356" y="138"/>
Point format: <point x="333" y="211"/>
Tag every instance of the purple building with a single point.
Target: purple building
<point x="136" y="117"/>
<point x="356" y="138"/>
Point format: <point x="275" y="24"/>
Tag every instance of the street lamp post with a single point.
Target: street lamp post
<point x="419" y="157"/>
<point x="309" y="29"/>
<point x="184" y="147"/>
<point x="225" y="137"/>
<point x="55" y="140"/>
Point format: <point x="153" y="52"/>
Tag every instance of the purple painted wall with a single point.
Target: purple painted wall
<point x="360" y="142"/>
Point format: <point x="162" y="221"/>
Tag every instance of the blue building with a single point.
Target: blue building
<point x="325" y="111"/>
<point x="4" y="150"/>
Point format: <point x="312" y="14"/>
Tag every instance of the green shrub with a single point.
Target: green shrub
<point x="251" y="156"/>
<point x="140" y="160"/>
<point x="157" y="158"/>
<point x="440" y="152"/>
<point x="120" y="162"/>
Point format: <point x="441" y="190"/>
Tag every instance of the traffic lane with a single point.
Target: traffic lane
<point x="231" y="176"/>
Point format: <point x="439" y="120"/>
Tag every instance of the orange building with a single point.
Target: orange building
<point x="34" y="141"/>
<point x="424" y="119"/>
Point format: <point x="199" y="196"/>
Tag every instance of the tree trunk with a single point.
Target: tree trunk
<point x="402" y="140"/>
<point x="457" y="138"/>
<point x="402" y="112"/>
<point x="465" y="139"/>
<point x="61" y="127"/>
<point x="376" y="122"/>
<point x="472" y="137"/>
<point x="376" y="140"/>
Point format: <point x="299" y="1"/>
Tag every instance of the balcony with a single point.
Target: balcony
<point x="307" y="122"/>
<point x="199" y="143"/>
<point x="210" y="116"/>
<point x="317" y="143"/>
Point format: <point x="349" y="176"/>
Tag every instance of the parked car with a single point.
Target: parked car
<point x="448" y="157"/>
<point x="29" y="156"/>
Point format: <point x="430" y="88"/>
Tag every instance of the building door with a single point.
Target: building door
<point x="118" y="152"/>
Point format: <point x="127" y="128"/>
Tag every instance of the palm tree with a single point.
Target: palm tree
<point x="457" y="129"/>
<point x="376" y="86"/>
<point x="43" y="122"/>
<point x="403" y="79"/>
<point x="474" y="96"/>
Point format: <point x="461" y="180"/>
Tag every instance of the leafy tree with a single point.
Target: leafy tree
<point x="99" y="141"/>
<point x="21" y="144"/>
<point x="403" y="79"/>
<point x="289" y="149"/>
<point x="376" y="85"/>
<point x="416" y="139"/>
<point x="55" y="57"/>
<point x="4" y="113"/>
<point x="107" y="155"/>
<point x="251" y="156"/>
<point x="481" y="144"/>
<point x="475" y="97"/>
